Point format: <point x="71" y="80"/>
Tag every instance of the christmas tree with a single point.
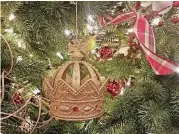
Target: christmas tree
<point x="139" y="97"/>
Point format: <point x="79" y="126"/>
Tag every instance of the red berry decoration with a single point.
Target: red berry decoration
<point x="106" y="52"/>
<point x="17" y="99"/>
<point x="161" y="23"/>
<point x="175" y="20"/>
<point x="176" y="4"/>
<point x="113" y="88"/>
<point x="75" y="109"/>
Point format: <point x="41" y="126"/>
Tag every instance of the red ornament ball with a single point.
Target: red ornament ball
<point x="113" y="88"/>
<point x="175" y="19"/>
<point x="105" y="52"/>
<point x="176" y="4"/>
<point x="17" y="99"/>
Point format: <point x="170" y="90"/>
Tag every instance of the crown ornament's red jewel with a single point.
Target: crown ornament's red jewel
<point x="76" y="89"/>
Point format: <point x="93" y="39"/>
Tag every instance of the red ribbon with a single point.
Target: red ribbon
<point x="145" y="35"/>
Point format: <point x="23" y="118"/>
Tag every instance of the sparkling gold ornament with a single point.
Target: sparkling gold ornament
<point x="90" y="42"/>
<point x="76" y="89"/>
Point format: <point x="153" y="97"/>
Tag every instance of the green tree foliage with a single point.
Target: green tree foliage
<point x="151" y="106"/>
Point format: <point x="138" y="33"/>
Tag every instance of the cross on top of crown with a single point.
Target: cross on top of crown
<point x="77" y="48"/>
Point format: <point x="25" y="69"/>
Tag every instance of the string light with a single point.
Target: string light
<point x="36" y="91"/>
<point x="177" y="70"/>
<point x="113" y="11"/>
<point x="31" y="55"/>
<point x="93" y="51"/>
<point x="67" y="32"/>
<point x="59" y="55"/>
<point x="130" y="30"/>
<point x="119" y="3"/>
<point x="90" y="18"/>
<point x="19" y="59"/>
<point x="90" y="28"/>
<point x="20" y="90"/>
<point x="156" y="21"/>
<point x="122" y="92"/>
<point x="9" y="30"/>
<point x="128" y="82"/>
<point x="19" y="43"/>
<point x="11" y="17"/>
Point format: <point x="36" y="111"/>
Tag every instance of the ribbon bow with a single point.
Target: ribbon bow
<point x="145" y="35"/>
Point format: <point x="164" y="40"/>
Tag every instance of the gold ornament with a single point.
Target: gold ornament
<point x="76" y="89"/>
<point x="90" y="42"/>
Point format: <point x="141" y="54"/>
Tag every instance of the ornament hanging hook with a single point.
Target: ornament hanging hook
<point x="76" y="20"/>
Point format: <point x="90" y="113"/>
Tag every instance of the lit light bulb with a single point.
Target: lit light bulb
<point x="31" y="55"/>
<point x="177" y="70"/>
<point x="9" y="30"/>
<point x="90" y="28"/>
<point x="119" y="3"/>
<point x="11" y="17"/>
<point x="93" y="51"/>
<point x="19" y="59"/>
<point x="59" y="55"/>
<point x="36" y="91"/>
<point x="67" y="32"/>
<point x="113" y="11"/>
<point x="19" y="43"/>
<point x="130" y="30"/>
<point x="96" y="27"/>
<point x="90" y="18"/>
<point x="102" y="78"/>
<point x="122" y="92"/>
<point x="156" y="21"/>
<point x="128" y="83"/>
<point x="20" y="90"/>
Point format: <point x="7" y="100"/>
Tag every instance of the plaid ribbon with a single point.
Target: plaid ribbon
<point x="145" y="35"/>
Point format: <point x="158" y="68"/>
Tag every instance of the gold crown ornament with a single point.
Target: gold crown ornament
<point x="76" y="89"/>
